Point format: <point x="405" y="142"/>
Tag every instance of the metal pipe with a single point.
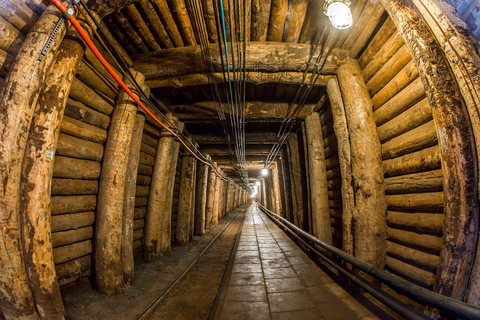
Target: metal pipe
<point x="445" y="304"/>
<point x="394" y="304"/>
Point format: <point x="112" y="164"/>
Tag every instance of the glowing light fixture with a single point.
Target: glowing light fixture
<point x="338" y="11"/>
<point x="258" y="183"/>
<point x="264" y="172"/>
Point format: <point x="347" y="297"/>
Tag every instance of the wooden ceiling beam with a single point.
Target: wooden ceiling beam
<point x="250" y="150"/>
<point x="254" y="77"/>
<point x="253" y="109"/>
<point x="255" y="138"/>
<point x="262" y="57"/>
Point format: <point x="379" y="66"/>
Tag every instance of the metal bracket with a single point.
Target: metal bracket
<point x="55" y="30"/>
<point x="52" y="36"/>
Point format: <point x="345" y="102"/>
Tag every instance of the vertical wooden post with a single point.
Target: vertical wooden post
<point x="456" y="142"/>
<point x="318" y="179"/>
<point x="285" y="183"/>
<point x="210" y="198"/>
<point x="296" y="180"/>
<point x="201" y="198"/>
<point x="221" y="209"/>
<point x="192" y="206"/>
<point x="218" y="203"/>
<point x="230" y="198"/>
<point x="264" y="192"/>
<point x="185" y="201"/>
<point x="307" y="203"/>
<point x="276" y="189"/>
<point x="129" y="198"/>
<point x="158" y="216"/>
<point x="341" y="132"/>
<point x="109" y="229"/>
<point x="18" y="99"/>
<point x="367" y="167"/>
<point x="37" y="179"/>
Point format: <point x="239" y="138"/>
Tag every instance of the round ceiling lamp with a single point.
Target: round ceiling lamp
<point x="264" y="172"/>
<point x="338" y="11"/>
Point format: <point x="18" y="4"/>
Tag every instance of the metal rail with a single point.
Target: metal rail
<point x="445" y="304"/>
<point x="226" y="273"/>
<point x="165" y="293"/>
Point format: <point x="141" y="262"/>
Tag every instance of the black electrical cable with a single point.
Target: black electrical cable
<point x="118" y="57"/>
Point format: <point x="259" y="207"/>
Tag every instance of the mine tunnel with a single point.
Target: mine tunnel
<point x="239" y="159"/>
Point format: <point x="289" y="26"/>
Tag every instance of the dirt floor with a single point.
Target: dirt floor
<point x="192" y="297"/>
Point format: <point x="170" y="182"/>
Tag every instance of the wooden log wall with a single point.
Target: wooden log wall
<point x="77" y="170"/>
<point x="176" y="194"/>
<point x="16" y="19"/>
<point x="411" y="159"/>
<point x="334" y="180"/>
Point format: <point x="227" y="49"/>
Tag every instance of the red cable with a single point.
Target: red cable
<point x="99" y="56"/>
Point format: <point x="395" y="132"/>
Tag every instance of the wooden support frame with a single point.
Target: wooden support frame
<point x="369" y="215"/>
<point x="456" y="142"/>
<point x="318" y="179"/>
<point x="109" y="221"/>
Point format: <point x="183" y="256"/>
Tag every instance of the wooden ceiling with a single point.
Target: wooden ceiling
<point x="167" y="40"/>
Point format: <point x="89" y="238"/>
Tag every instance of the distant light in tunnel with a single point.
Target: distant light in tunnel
<point x="264" y="172"/>
<point x="338" y="11"/>
<point x="258" y="183"/>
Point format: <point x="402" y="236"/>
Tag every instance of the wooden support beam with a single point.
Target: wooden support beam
<point x="297" y="11"/>
<point x="253" y="109"/>
<point x="129" y="199"/>
<point x="132" y="34"/>
<point x="380" y="38"/>
<point x="318" y="179"/>
<point x="210" y="24"/>
<point x="252" y="77"/>
<point x="108" y="232"/>
<point x="201" y="198"/>
<point x="277" y="20"/>
<point x="296" y="179"/>
<point x="260" y="19"/>
<point x="210" y="206"/>
<point x="116" y="45"/>
<point x="216" y="207"/>
<point x="345" y="161"/>
<point x="461" y="51"/>
<point x="17" y="102"/>
<point x="164" y="12"/>
<point x="257" y="138"/>
<point x="37" y="173"/>
<point x="159" y="209"/>
<point x="12" y="39"/>
<point x="288" y="57"/>
<point x="367" y="170"/>
<point x="456" y="144"/>
<point x="363" y="28"/>
<point x="186" y="199"/>
<point x="21" y="16"/>
<point x="156" y="25"/>
<point x="276" y="190"/>
<point x="179" y="9"/>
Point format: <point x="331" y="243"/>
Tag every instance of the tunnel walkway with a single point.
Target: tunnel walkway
<point x="273" y="279"/>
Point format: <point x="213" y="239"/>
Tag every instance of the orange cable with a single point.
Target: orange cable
<point x="99" y="56"/>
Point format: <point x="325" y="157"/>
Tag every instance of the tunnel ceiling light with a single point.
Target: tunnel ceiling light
<point x="264" y="172"/>
<point x="258" y="183"/>
<point x="338" y="11"/>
